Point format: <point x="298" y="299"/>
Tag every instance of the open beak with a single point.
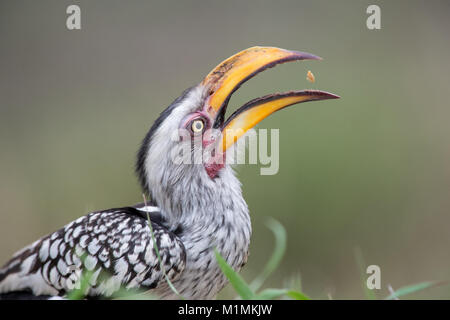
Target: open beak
<point x="229" y="75"/>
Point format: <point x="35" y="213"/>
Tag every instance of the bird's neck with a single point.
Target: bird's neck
<point x="196" y="200"/>
<point x="205" y="215"/>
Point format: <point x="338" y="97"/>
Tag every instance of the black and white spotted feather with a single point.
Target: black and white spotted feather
<point x="114" y="246"/>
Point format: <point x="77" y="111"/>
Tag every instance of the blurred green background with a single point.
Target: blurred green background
<point x="368" y="171"/>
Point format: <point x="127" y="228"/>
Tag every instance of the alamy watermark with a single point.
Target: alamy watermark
<point x="73" y="21"/>
<point x="374" y="280"/>
<point x="255" y="146"/>
<point x="373" y="21"/>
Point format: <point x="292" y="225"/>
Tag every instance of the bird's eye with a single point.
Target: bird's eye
<point x="197" y="126"/>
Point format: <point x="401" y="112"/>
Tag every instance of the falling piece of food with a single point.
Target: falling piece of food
<point x="310" y="77"/>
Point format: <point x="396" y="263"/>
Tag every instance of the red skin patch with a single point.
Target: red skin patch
<point x="215" y="164"/>
<point x="213" y="169"/>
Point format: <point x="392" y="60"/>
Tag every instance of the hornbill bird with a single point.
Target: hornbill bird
<point x="193" y="207"/>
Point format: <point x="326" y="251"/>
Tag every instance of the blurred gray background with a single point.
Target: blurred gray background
<point x="368" y="171"/>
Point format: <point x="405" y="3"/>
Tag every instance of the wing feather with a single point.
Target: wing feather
<point x="114" y="246"/>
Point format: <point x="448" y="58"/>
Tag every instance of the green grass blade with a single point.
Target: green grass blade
<point x="155" y="247"/>
<point x="270" y="294"/>
<point x="415" y="288"/>
<point x="235" y="279"/>
<point x="370" y="294"/>
<point x="297" y="295"/>
<point x="80" y="293"/>
<point x="132" y="294"/>
<point x="278" y="253"/>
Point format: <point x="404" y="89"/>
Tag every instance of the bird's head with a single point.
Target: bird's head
<point x="169" y="164"/>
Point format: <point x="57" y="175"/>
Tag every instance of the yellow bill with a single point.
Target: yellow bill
<point x="230" y="74"/>
<point x="256" y="110"/>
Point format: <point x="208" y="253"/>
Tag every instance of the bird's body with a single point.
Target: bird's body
<point x="194" y="207"/>
<point x="117" y="248"/>
<point x="118" y="242"/>
<point x="114" y="245"/>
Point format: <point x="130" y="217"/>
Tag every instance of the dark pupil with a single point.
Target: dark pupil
<point x="198" y="125"/>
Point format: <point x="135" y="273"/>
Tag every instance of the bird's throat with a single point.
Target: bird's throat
<point x="213" y="169"/>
